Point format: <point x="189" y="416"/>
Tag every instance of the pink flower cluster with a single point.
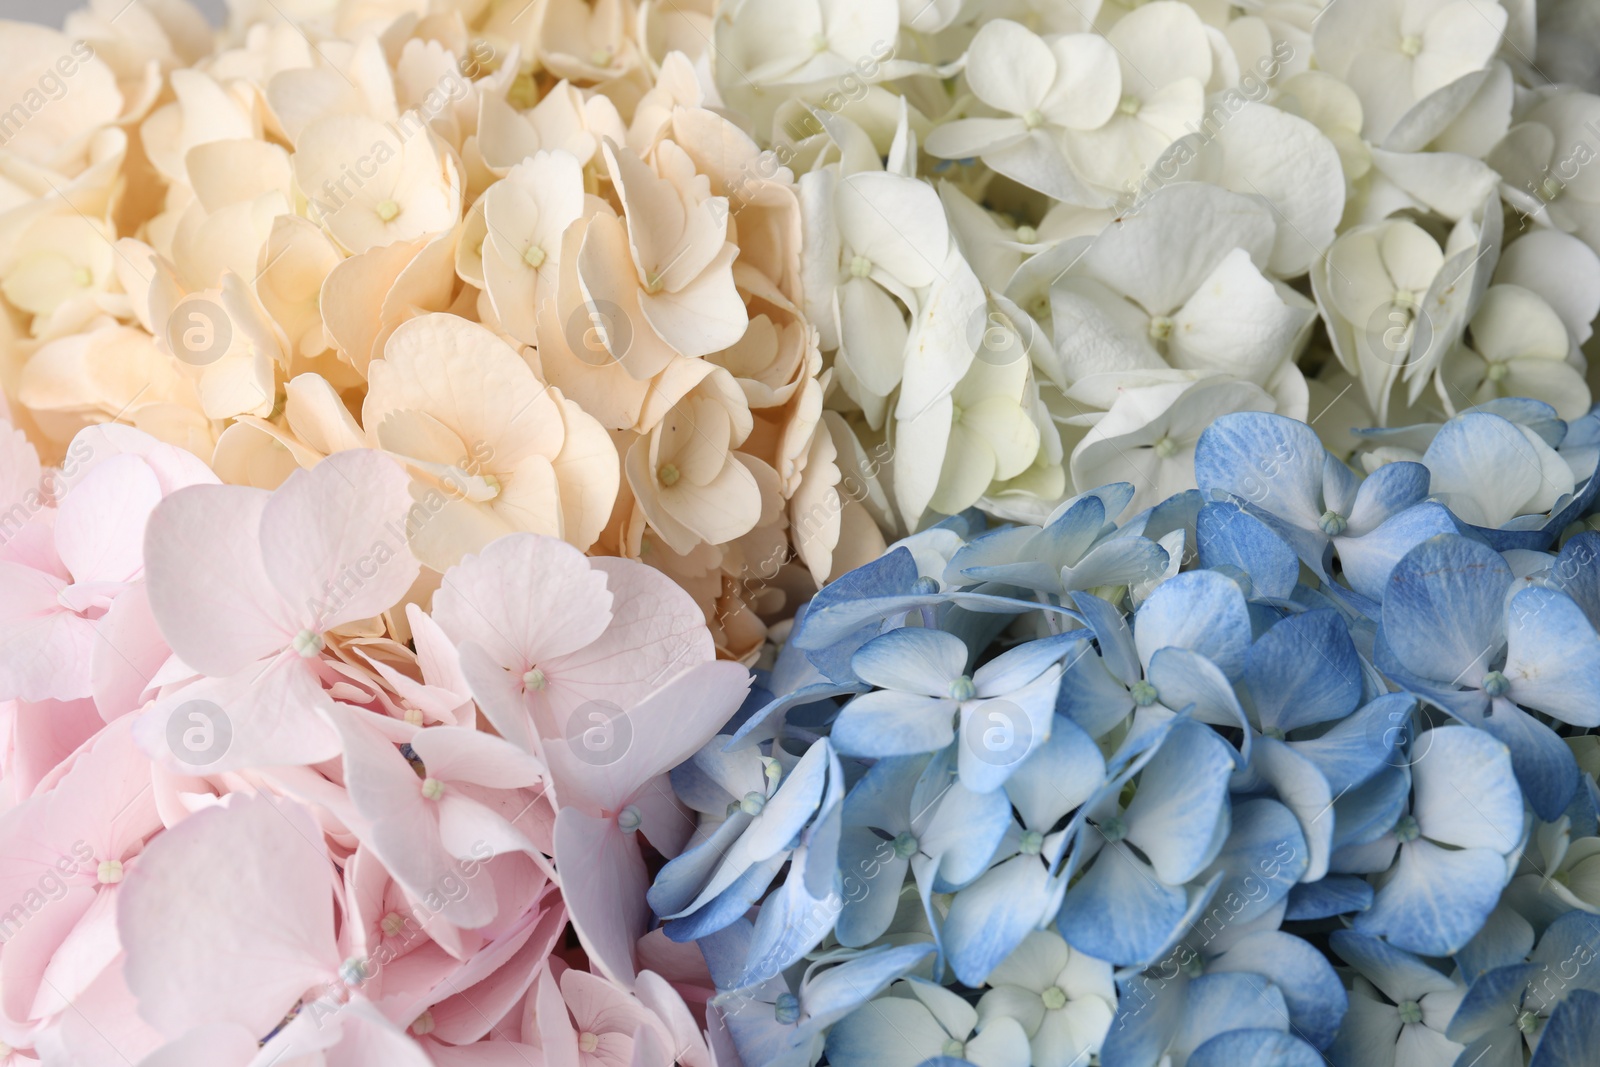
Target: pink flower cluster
<point x="261" y="808"/>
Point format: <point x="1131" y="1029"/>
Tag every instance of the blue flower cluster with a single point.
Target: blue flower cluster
<point x="1291" y="768"/>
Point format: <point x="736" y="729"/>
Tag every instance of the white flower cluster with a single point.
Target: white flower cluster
<point x="1049" y="242"/>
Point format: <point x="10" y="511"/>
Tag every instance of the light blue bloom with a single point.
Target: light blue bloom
<point x="910" y="813"/>
<point x="1516" y="1004"/>
<point x="1277" y="469"/>
<point x="992" y="915"/>
<point x="1400" y="1007"/>
<point x="1449" y="635"/>
<point x="1126" y="905"/>
<point x="1452" y="846"/>
<point x="779" y="1024"/>
<point x="926" y="697"/>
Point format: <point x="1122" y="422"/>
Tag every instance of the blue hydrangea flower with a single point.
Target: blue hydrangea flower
<point x="1449" y="635"/>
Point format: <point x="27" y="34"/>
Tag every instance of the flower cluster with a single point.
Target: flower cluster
<point x="245" y="823"/>
<point x="1145" y="450"/>
<point x="1295" y="765"/>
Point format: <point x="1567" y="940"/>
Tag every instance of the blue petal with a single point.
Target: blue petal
<point x="1182" y="794"/>
<point x="1018" y="666"/>
<point x="1400" y="975"/>
<point x="1187" y="681"/>
<point x="1000" y="733"/>
<point x="991" y="917"/>
<point x="1337" y="894"/>
<point x="1057" y="778"/>
<point x="1389" y="490"/>
<point x="1544" y="764"/>
<point x="1224" y="1003"/>
<point x="1358" y="747"/>
<point x="1263" y="856"/>
<point x="790" y="924"/>
<point x="1506" y="938"/>
<point x="1118" y="561"/>
<point x="681" y="880"/>
<point x="1444" y="609"/>
<point x="1302" y="671"/>
<point x="835" y="992"/>
<point x="1572" y="1036"/>
<point x="1553" y="657"/>
<point x="1199" y="610"/>
<point x="881" y="798"/>
<point x="887" y="723"/>
<point x="1576" y="572"/>
<point x="1151" y="1007"/>
<point x="1364" y="814"/>
<point x="1309" y="984"/>
<point x="1255" y="1048"/>
<point x="912" y="659"/>
<point x="1227" y="534"/>
<point x="1110" y="629"/>
<point x="1118" y="911"/>
<point x="728" y="906"/>
<point x="1301" y="786"/>
<point x="871" y="877"/>
<point x="1436" y="899"/>
<point x="964" y="831"/>
<point x="1492" y="1003"/>
<point x="1368" y="560"/>
<point x="1274" y="463"/>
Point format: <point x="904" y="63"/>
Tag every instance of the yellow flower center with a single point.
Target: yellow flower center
<point x="84" y="277"/>
<point x="388" y="210"/>
<point x="432" y="788"/>
<point x="1130" y="105"/>
<point x="1498" y="372"/>
<point x="1166" y="448"/>
<point x="1027" y="234"/>
<point x="1411" y="45"/>
<point x="534" y="679"/>
<point x="534" y="257"/>
<point x="423" y="1024"/>
<point x="393" y="923"/>
<point x="1160" y="328"/>
<point x="668" y="475"/>
<point x="109" y="872"/>
<point x="587" y="1042"/>
<point x="860" y="267"/>
<point x="1033" y="119"/>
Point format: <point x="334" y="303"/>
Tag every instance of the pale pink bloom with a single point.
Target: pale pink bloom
<point x="246" y="584"/>
<point x="609" y="794"/>
<point x="544" y="632"/>
<point x="74" y="621"/>
<point x="421" y="828"/>
<point x="35" y="738"/>
<point x="63" y="856"/>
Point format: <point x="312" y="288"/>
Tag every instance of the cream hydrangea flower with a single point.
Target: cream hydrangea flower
<point x="492" y="450"/>
<point x="50" y="119"/>
<point x="370" y="185"/>
<point x="525" y="215"/>
<point x="666" y="267"/>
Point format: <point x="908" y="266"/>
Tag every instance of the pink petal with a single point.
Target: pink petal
<point x="603" y="880"/>
<point x="209" y="589"/>
<point x="228" y="917"/>
<point x="653" y="737"/>
<point x="127" y="653"/>
<point x="403" y="824"/>
<point x="456" y="754"/>
<point x="656" y="631"/>
<point x="44" y="649"/>
<point x="525" y="599"/>
<point x="270" y="713"/>
<point x="334" y="542"/>
<point x="100" y="522"/>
